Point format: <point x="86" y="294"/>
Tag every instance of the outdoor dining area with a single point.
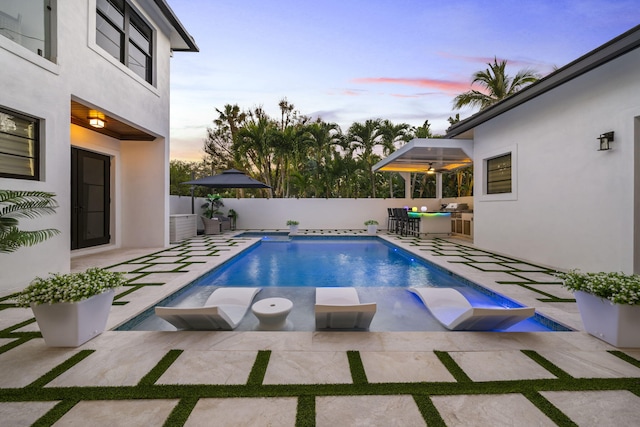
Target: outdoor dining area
<point x="407" y="221"/>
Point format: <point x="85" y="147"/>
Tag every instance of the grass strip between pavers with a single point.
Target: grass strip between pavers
<point x="358" y="375"/>
<point x="56" y="413"/>
<point x="181" y="412"/>
<point x="429" y="412"/>
<point x="160" y="368"/>
<point x="60" y="369"/>
<point x="453" y="368"/>
<point x="259" y="369"/>
<point x="550" y="410"/>
<point x="546" y="364"/>
<point x="306" y="411"/>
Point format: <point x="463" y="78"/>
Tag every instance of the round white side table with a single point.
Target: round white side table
<point x="272" y="313"/>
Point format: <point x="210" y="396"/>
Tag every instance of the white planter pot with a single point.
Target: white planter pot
<point x="372" y="229"/>
<point x="293" y="229"/>
<point x="70" y="324"/>
<point x="616" y="324"/>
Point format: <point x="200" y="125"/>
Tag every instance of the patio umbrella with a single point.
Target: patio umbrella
<point x="231" y="178"/>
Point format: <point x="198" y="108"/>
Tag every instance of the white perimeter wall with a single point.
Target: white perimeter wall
<point x="575" y="205"/>
<point x="314" y="213"/>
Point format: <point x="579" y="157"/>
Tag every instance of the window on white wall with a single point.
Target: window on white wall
<point x="498" y="171"/>
<point x="30" y="24"/>
<point x="19" y="145"/>
<point x="125" y="35"/>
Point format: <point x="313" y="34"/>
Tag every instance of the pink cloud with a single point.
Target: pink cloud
<point x="443" y="85"/>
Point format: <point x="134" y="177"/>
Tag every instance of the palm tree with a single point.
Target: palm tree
<point x="321" y="138"/>
<point x="392" y="135"/>
<point x="23" y="204"/>
<point x="496" y="85"/>
<point x="364" y="137"/>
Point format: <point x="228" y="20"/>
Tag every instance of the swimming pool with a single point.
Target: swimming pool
<point x="293" y="268"/>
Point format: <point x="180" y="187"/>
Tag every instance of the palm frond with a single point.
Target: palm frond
<point x="13" y="239"/>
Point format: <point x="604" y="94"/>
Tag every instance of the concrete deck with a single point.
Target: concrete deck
<point x="317" y="378"/>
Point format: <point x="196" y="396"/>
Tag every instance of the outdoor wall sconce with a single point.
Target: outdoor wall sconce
<point x="431" y="169"/>
<point x="605" y="139"/>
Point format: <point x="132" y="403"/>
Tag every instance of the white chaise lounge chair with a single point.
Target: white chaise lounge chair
<point x="224" y="310"/>
<point x="455" y="312"/>
<point x="340" y="308"/>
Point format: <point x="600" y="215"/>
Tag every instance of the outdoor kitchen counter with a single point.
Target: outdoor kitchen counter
<point x="433" y="222"/>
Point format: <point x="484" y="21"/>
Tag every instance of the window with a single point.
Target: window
<point x="19" y="146"/>
<point x="29" y="23"/>
<point x="125" y="35"/>
<point x="499" y="174"/>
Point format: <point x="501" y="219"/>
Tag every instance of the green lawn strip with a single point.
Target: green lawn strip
<point x="550" y="410"/>
<point x="20" y="339"/>
<point x="546" y="364"/>
<point x="624" y="356"/>
<point x="55" y="413"/>
<point x="306" y="411"/>
<point x="9" y="297"/>
<point x="7" y="332"/>
<point x="358" y="375"/>
<point x="429" y="412"/>
<point x="181" y="391"/>
<point x="60" y="369"/>
<point x="259" y="369"/>
<point x="181" y="412"/>
<point x="453" y="368"/>
<point x="160" y="368"/>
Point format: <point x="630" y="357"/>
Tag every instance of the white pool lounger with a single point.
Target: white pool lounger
<point x="455" y="312"/>
<point x="223" y="310"/>
<point x="340" y="308"/>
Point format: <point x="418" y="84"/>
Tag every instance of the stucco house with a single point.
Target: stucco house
<point x="556" y="166"/>
<point x="84" y="113"/>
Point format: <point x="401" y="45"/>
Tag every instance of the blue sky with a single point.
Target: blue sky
<point x="353" y="60"/>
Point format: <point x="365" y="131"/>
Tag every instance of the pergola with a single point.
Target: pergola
<point x="436" y="155"/>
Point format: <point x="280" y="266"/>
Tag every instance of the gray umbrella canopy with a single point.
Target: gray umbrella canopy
<point x="231" y="178"/>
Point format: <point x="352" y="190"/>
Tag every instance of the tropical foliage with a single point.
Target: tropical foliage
<point x="618" y="288"/>
<point x="15" y="205"/>
<point x="70" y="287"/>
<point x="495" y="85"/>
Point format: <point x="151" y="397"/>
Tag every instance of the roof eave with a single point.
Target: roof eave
<point x="609" y="51"/>
<point x="189" y="43"/>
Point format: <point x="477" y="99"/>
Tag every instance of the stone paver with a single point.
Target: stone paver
<point x="121" y="413"/>
<point x="210" y="367"/>
<point x="591" y="364"/>
<point x="597" y="408"/>
<point x="499" y="366"/>
<point x="110" y="368"/>
<point x="244" y="412"/>
<point x="17" y="414"/>
<point x="370" y="411"/>
<point x="12" y="316"/>
<point x="495" y="410"/>
<point x="26" y="363"/>
<point x="294" y="367"/>
<point x="397" y="366"/>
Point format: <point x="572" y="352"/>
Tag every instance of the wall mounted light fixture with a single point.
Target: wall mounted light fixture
<point x="605" y="139"/>
<point x="431" y="169"/>
<point x="96" y="119"/>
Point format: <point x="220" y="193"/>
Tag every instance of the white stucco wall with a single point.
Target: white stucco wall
<point x="84" y="72"/>
<point x="574" y="205"/>
<point x="313" y="213"/>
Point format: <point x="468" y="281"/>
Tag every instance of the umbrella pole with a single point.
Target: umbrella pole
<point x="193" y="210"/>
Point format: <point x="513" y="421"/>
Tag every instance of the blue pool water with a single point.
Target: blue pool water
<point x="380" y="271"/>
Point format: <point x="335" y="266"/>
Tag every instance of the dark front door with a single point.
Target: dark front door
<point x="90" y="198"/>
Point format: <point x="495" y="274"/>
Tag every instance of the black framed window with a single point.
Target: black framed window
<point x="19" y="145"/>
<point x="122" y="32"/>
<point x="499" y="174"/>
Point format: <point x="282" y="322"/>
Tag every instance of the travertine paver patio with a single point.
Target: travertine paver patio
<point x="317" y="378"/>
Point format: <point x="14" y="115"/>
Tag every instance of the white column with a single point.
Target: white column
<point x="408" y="191"/>
<point x="438" y="185"/>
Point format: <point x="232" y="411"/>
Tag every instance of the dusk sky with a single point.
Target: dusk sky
<point x="351" y="60"/>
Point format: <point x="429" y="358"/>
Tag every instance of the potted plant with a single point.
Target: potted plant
<point x="609" y="305"/>
<point x="212" y="224"/>
<point x="71" y="308"/>
<point x="372" y="226"/>
<point x="293" y="226"/>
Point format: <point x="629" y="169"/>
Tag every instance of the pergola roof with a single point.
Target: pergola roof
<point x="419" y="154"/>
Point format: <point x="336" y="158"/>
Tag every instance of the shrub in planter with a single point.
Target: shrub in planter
<point x="372" y="226"/>
<point x="293" y="226"/>
<point x="609" y="305"/>
<point x="71" y="308"/>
